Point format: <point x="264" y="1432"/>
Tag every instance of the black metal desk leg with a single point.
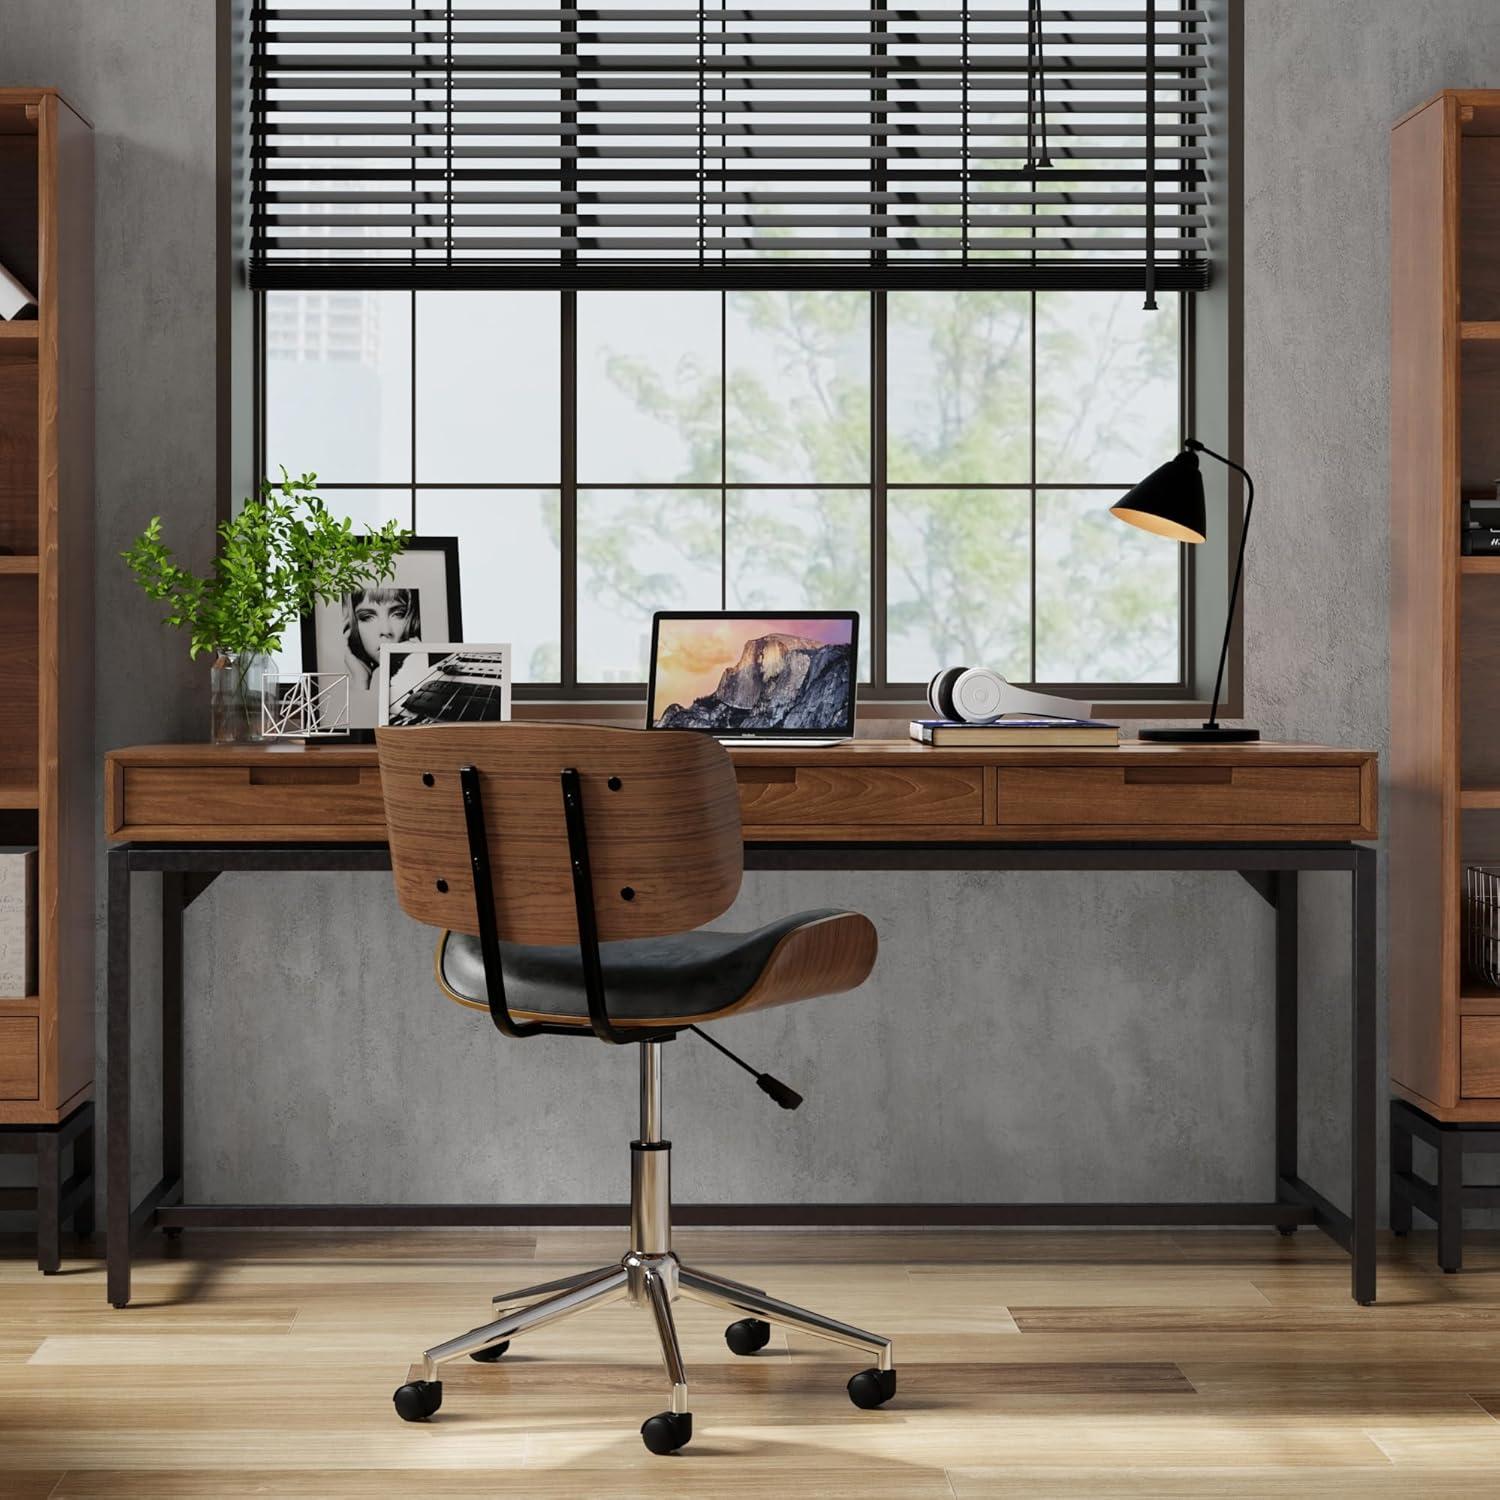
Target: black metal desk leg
<point x="117" y="1075"/>
<point x="1362" y="1081"/>
<point x="1286" y="1029"/>
<point x="173" y="899"/>
<point x="49" y="1202"/>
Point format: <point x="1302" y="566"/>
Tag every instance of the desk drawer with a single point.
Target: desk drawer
<point x="857" y="796"/>
<point x="216" y="798"/>
<point x="1195" y="796"/>
<point x="20" y="1062"/>
<point x="1479" y="1057"/>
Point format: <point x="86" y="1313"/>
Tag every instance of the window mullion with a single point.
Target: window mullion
<point x="568" y="498"/>
<point x="878" y="476"/>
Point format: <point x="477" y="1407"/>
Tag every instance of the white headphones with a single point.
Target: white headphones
<point x="970" y="695"/>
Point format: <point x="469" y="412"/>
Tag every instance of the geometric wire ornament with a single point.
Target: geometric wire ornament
<point x="311" y="703"/>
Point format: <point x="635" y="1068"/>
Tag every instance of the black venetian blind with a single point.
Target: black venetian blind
<point x="840" y="144"/>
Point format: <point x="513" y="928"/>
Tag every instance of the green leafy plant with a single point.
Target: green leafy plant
<point x="278" y="557"/>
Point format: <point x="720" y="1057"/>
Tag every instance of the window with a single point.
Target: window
<point x="941" y="461"/>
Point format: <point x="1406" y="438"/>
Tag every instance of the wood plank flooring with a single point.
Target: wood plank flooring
<point x="1032" y="1365"/>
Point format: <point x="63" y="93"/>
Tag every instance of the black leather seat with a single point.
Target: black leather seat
<point x="684" y="974"/>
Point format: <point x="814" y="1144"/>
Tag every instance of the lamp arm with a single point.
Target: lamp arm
<point x="1239" y="566"/>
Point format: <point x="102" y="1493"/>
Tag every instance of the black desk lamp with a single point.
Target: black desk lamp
<point x="1169" y="501"/>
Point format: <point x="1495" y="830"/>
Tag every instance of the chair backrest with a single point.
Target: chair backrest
<point x="660" y="807"/>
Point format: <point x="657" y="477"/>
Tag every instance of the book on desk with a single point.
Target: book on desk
<point x="1025" y="731"/>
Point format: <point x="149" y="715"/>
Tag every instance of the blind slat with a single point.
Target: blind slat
<point x="683" y="144"/>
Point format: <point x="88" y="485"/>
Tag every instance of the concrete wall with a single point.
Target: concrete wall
<point x="142" y="72"/>
<point x="1044" y="1037"/>
<point x="1324" y="81"/>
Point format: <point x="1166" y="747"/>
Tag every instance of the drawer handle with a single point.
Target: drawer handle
<point x="304" y="775"/>
<point x="764" y="775"/>
<point x="1178" y="775"/>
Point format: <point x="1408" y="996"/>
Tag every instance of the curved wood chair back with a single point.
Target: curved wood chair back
<point x="661" y="809"/>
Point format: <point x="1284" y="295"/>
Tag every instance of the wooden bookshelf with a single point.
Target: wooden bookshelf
<point x="1445" y="608"/>
<point x="46" y="594"/>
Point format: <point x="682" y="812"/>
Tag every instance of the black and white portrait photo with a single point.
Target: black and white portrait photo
<point x="347" y="636"/>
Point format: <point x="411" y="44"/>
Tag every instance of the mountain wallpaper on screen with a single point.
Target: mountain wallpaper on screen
<point x="779" y="682"/>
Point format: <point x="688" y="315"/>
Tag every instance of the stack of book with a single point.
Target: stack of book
<point x="1021" y="730"/>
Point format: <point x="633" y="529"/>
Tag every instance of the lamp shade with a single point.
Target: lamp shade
<point x="1168" y="501"/>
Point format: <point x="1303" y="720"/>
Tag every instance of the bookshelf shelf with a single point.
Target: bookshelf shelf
<point x="1444" y="761"/>
<point x="19" y="792"/>
<point x="47" y="590"/>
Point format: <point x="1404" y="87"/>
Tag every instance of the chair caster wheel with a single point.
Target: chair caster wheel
<point x="872" y="1388"/>
<point x="747" y="1336"/>
<point x="1286" y="1231"/>
<point x="490" y="1355"/>
<point x="667" y="1431"/>
<point x="417" y="1400"/>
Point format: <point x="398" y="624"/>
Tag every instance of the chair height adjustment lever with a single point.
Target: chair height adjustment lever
<point x="787" y="1098"/>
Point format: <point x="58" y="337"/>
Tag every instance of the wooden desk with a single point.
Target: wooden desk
<point x="864" y="791"/>
<point x="193" y="812"/>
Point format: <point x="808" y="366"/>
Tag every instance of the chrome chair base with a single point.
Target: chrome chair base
<point x="651" y="1276"/>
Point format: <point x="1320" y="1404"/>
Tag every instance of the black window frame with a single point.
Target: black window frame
<point x="879" y="689"/>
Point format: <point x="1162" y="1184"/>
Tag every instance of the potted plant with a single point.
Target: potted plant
<point x="278" y="557"/>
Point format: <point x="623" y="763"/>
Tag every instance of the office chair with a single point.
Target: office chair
<point x="569" y="868"/>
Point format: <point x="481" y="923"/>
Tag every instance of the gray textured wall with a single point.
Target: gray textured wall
<point x="1044" y="1037"/>
<point x="142" y="72"/>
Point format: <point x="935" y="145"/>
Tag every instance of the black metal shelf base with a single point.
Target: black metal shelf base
<point x="1285" y="1214"/>
<point x="1442" y="1201"/>
<point x="1270" y="869"/>
<point x="56" y="1199"/>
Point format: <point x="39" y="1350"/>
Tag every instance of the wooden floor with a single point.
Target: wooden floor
<point x="1035" y="1365"/>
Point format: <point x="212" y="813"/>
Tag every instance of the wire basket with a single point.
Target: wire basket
<point x="1481" y="924"/>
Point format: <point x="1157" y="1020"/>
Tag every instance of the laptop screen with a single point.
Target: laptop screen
<point x="745" y="674"/>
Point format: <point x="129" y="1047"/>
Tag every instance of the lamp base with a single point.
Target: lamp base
<point x="1207" y="734"/>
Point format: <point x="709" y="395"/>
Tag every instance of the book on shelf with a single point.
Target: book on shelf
<point x="17" y="922"/>
<point x="14" y="296"/>
<point x="1020" y="730"/>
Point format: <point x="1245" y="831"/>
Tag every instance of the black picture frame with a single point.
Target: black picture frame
<point x="447" y="626"/>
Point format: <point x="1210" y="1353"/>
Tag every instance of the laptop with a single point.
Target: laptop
<point x="753" y="678"/>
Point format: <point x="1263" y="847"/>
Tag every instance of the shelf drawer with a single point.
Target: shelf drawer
<point x="1479" y="1057"/>
<point x="20" y="1063"/>
<point x="1192" y="796"/>
<point x="858" y="796"/>
<point x="218" y="799"/>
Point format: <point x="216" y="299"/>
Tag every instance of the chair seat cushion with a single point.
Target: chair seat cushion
<point x="684" y="976"/>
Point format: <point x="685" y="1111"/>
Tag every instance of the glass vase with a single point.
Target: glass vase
<point x="238" y="685"/>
